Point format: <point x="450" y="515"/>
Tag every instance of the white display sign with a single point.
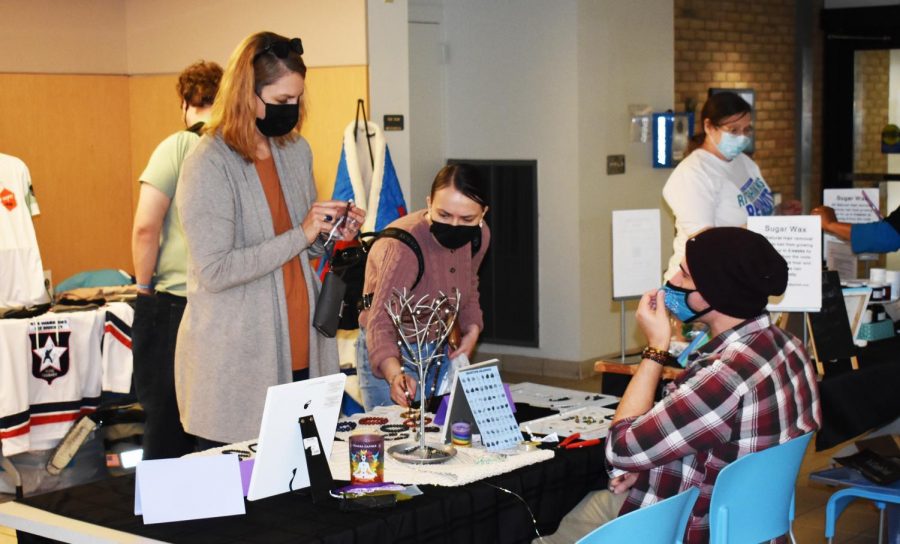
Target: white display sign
<point x="185" y="488"/>
<point x="637" y="265"/>
<point x="839" y="257"/>
<point x="798" y="238"/>
<point x="853" y="205"/>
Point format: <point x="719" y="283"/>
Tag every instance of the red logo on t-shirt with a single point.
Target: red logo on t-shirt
<point x="8" y="199"/>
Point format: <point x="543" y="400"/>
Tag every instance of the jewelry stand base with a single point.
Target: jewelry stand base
<point x="419" y="455"/>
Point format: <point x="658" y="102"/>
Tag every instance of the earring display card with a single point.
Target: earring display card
<point x="589" y="421"/>
<point x="558" y="398"/>
<point x="490" y="407"/>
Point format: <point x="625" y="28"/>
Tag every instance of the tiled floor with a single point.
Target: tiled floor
<point x="858" y="524"/>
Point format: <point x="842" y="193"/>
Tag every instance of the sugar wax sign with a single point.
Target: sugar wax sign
<point x="798" y="238"/>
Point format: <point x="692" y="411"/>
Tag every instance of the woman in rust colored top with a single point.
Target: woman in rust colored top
<point x="247" y="201"/>
<point x="446" y="231"/>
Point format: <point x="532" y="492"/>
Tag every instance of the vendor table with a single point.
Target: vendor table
<point x="856" y="401"/>
<point x="476" y="512"/>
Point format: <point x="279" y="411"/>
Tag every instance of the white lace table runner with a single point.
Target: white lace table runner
<point x="470" y="464"/>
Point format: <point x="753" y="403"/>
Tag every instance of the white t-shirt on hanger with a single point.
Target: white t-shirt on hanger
<point x="21" y="270"/>
<point x="705" y="191"/>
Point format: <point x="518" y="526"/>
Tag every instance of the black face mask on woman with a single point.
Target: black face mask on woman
<point x="454" y="236"/>
<point x="280" y="119"/>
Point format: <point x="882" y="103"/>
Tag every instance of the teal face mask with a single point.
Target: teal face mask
<point x="730" y="145"/>
<point x="677" y="303"/>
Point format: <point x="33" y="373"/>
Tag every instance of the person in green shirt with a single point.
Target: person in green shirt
<point x="160" y="264"/>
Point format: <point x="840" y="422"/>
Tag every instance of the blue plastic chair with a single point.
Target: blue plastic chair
<point x="881" y="496"/>
<point x="661" y="523"/>
<point x="753" y="499"/>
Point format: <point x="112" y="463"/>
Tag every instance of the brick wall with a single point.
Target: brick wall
<point x="870" y="112"/>
<point x="743" y="45"/>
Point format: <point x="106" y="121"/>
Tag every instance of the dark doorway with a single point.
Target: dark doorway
<point x="847" y="31"/>
<point x="508" y="279"/>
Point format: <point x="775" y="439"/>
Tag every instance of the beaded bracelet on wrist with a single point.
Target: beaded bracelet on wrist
<point x="658" y="355"/>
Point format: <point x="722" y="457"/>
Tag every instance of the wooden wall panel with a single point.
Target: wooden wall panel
<point x="155" y="113"/>
<point x="331" y="104"/>
<point x="73" y="133"/>
<point x="331" y="95"/>
<point x="87" y="138"/>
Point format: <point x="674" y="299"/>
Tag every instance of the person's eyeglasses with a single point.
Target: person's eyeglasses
<point x="281" y="48"/>
<point x="735" y="131"/>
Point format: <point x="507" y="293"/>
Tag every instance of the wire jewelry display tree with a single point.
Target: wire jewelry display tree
<point x="423" y="325"/>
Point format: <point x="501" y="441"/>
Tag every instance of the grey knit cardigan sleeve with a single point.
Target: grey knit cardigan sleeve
<point x="234" y="342"/>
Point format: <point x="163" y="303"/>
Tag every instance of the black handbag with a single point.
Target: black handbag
<point x="341" y="297"/>
<point x="330" y="305"/>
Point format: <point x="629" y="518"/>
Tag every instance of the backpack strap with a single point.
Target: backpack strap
<point x="398" y="234"/>
<point x="410" y="241"/>
<point x="476" y="242"/>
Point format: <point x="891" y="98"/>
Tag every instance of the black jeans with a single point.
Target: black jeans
<point x="153" y="333"/>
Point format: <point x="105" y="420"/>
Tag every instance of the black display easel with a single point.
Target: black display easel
<point x="320" y="481"/>
<point x="361" y="108"/>
<point x="829" y="328"/>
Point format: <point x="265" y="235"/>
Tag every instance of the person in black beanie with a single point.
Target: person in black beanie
<point x="749" y="388"/>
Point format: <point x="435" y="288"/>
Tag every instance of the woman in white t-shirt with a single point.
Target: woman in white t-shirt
<point x="716" y="185"/>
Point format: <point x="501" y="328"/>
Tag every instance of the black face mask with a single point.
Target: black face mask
<point x="454" y="237"/>
<point x="280" y="119"/>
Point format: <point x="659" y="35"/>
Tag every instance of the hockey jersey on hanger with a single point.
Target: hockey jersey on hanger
<point x="51" y="372"/>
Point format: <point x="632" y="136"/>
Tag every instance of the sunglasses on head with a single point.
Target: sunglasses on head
<point x="281" y="48"/>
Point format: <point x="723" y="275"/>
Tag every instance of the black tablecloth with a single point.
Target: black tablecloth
<point x="856" y="401"/>
<point x="472" y="513"/>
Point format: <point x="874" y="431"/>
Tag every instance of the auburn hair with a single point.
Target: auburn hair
<point x="198" y="83"/>
<point x="233" y="114"/>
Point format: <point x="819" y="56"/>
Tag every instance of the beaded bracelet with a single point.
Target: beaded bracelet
<point x="393" y="428"/>
<point x="412" y="423"/>
<point x="658" y="355"/>
<point x="345" y="426"/>
<point x="373" y="421"/>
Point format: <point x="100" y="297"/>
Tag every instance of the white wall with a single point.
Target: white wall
<point x="427" y="104"/>
<point x="512" y="94"/>
<point x="388" y="60"/>
<point x="53" y="36"/>
<point x="625" y="56"/>
<point x="552" y="82"/>
<point x="164" y="36"/>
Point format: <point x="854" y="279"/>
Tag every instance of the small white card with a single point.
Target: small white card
<point x="188" y="488"/>
<point x="637" y="262"/>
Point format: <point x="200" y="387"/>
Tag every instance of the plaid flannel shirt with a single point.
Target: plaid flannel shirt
<point x="750" y="388"/>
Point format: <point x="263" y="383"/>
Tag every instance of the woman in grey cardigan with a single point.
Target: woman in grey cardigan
<point x="247" y="203"/>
